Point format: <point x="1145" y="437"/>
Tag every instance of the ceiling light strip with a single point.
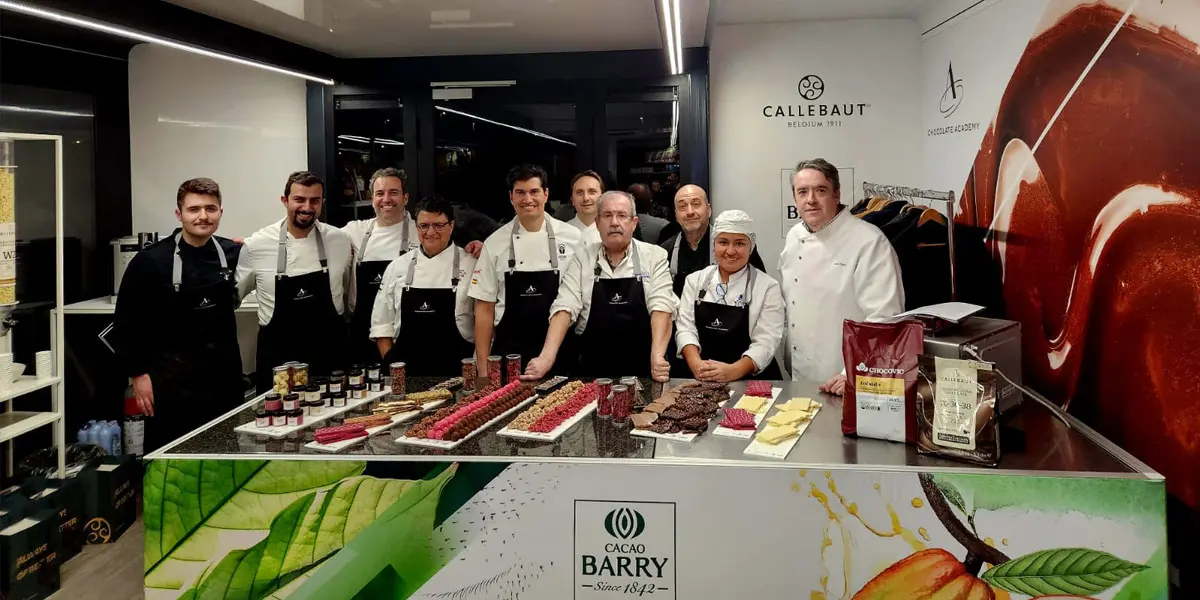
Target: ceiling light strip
<point x="678" y="38"/>
<point x="68" y="19"/>
<point x="44" y="111"/>
<point x="498" y="123"/>
<point x="669" y="29"/>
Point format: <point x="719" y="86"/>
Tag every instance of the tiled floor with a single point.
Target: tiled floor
<point x="109" y="572"/>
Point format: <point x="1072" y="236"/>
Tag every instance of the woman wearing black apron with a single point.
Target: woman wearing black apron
<point x="368" y="277"/>
<point x="731" y="315"/>
<point x="305" y="325"/>
<point x="197" y="376"/>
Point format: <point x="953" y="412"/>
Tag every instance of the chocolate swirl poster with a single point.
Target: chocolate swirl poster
<point x="1086" y="195"/>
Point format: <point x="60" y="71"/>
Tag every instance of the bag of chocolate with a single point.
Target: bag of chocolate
<point x="956" y="401"/>
<point x="881" y="377"/>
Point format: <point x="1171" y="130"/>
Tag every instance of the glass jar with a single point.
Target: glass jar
<point x="468" y="373"/>
<point x="281" y="380"/>
<point x="399" y="378"/>
<point x="312" y="393"/>
<point x="299" y="375"/>
<point x="373" y="371"/>
<point x="495" y="371"/>
<point x="339" y="400"/>
<point x="512" y="366"/>
<point x="273" y="402"/>
<point x="604" y="389"/>
<point x="358" y="391"/>
<point x="356" y="377"/>
<point x="322" y="384"/>
<point x="290" y="402"/>
<point x="375" y="385"/>
<point x="262" y="419"/>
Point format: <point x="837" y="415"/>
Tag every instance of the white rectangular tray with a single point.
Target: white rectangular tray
<point x="396" y="420"/>
<point x="758" y="417"/>
<point x="278" y="432"/>
<point x="445" y="445"/>
<point x="588" y="409"/>
<point x="779" y="451"/>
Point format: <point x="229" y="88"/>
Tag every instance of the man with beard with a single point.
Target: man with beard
<point x="617" y="293"/>
<point x="174" y="321"/>
<point x="518" y="272"/>
<point x="833" y="267"/>
<point x="376" y="242"/>
<point x="301" y="269"/>
<point x="586" y="188"/>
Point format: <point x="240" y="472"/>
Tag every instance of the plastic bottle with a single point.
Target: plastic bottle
<point x="95" y="434"/>
<point x="114" y="438"/>
<point x="84" y="432"/>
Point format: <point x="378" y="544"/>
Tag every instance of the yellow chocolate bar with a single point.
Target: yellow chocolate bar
<point x="799" y="404"/>
<point x="776" y="435"/>
<point x="788" y="417"/>
<point x="752" y="404"/>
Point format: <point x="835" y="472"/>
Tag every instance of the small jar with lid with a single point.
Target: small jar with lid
<point x="355" y="376"/>
<point x="277" y="418"/>
<point x="358" y="391"/>
<point x="373" y="371"/>
<point x="322" y="383"/>
<point x="375" y="385"/>
<point x="316" y="409"/>
<point x="272" y="402"/>
<point x="281" y="380"/>
<point x="262" y="419"/>
<point x="295" y="418"/>
<point x="339" y="399"/>
<point x="337" y="382"/>
<point x="327" y="399"/>
<point x="290" y="401"/>
<point x="399" y="373"/>
<point x="312" y="393"/>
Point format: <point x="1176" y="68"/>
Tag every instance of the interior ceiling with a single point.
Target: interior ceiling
<point x="397" y="28"/>
<point x="729" y="12"/>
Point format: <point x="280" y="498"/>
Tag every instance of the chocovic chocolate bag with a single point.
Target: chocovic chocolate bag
<point x="956" y="402"/>
<point x="881" y="379"/>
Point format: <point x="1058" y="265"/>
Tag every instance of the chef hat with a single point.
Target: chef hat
<point x="734" y="221"/>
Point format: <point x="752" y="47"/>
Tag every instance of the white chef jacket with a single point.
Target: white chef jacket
<point x="386" y="243"/>
<point x="260" y="254"/>
<point x="847" y="270"/>
<point x="766" y="312"/>
<point x="575" y="290"/>
<point x="487" y="280"/>
<point x="432" y="273"/>
<point x="590" y="232"/>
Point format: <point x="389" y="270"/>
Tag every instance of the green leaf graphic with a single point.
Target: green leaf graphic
<point x="952" y="495"/>
<point x="196" y="512"/>
<point x="1077" y="571"/>
<point x="305" y="533"/>
<point x="1139" y="502"/>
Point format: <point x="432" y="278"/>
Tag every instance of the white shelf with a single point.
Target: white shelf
<point x="13" y="424"/>
<point x="24" y="385"/>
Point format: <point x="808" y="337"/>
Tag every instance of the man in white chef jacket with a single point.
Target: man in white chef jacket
<point x="376" y="242"/>
<point x="834" y="266"/>
<point x="617" y="295"/>
<point x="301" y="283"/>
<point x="518" y="272"/>
<point x="586" y="188"/>
<point x="423" y="315"/>
<point x="731" y="314"/>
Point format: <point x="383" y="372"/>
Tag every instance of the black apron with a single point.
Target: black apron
<point x="305" y="325"/>
<point x="429" y="342"/>
<point x="617" y="339"/>
<point x="368" y="277"/>
<point x="527" y="299"/>
<point x="724" y="330"/>
<point x="198" y="376"/>
<point x="679" y="366"/>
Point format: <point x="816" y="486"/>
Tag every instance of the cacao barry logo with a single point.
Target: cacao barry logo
<point x="624" y="524"/>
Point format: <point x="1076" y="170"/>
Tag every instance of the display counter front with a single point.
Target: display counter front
<point x="602" y="513"/>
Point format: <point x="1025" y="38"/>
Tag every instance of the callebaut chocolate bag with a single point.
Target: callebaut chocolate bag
<point x="881" y="379"/>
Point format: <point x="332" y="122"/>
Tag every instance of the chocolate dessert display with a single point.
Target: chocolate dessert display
<point x="548" y="413"/>
<point x="684" y="410"/>
<point x="468" y="416"/>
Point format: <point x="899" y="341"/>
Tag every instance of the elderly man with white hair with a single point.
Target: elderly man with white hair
<point x="618" y="295"/>
<point x="732" y="315"/>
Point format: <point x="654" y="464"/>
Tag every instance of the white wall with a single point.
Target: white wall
<point x="875" y="63"/>
<point x="191" y="116"/>
<point x="983" y="45"/>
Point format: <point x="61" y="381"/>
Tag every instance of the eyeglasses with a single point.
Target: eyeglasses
<point x="434" y="226"/>
<point x="620" y="216"/>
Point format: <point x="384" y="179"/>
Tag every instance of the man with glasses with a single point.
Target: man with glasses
<point x="423" y="315"/>
<point x="834" y="267"/>
<point x="301" y="269"/>
<point x="617" y="294"/>
<point x="518" y="272"/>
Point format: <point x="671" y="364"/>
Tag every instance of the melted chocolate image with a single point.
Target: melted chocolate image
<point x="1096" y="230"/>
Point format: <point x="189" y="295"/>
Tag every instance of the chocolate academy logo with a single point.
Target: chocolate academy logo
<point x="624" y="548"/>
<point x="948" y="103"/>
<point x="812" y="114"/>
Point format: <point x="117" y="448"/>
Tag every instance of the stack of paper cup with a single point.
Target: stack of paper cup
<point x="6" y="370"/>
<point x="42" y="365"/>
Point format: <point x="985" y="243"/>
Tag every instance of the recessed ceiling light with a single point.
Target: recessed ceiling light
<point x="487" y="25"/>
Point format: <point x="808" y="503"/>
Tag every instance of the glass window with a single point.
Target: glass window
<point x="642" y="148"/>
<point x="369" y="136"/>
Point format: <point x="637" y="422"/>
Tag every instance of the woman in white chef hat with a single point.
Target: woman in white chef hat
<point x="731" y="315"/>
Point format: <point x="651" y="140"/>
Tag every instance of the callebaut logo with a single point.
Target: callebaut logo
<point x="810" y="114"/>
<point x="811" y="87"/>
<point x="863" y="368"/>
<point x="624" y="524"/>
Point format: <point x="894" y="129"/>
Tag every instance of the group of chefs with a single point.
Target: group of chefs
<point x="584" y="298"/>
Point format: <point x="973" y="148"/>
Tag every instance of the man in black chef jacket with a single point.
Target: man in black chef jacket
<point x="300" y="269"/>
<point x="690" y="251"/>
<point x="175" y="324"/>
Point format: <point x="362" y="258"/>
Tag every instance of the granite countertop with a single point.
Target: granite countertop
<point x="1047" y="444"/>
